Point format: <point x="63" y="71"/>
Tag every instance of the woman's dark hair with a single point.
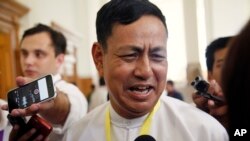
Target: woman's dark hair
<point x="236" y="81"/>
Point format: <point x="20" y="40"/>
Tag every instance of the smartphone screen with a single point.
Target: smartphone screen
<point x="36" y="91"/>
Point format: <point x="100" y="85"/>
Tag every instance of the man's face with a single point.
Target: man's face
<point x="169" y="88"/>
<point x="135" y="65"/>
<point x="219" y="57"/>
<point x="38" y="56"/>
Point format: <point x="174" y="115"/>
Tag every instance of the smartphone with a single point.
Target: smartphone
<point x="39" y="90"/>
<point x="42" y="126"/>
<point x="202" y="87"/>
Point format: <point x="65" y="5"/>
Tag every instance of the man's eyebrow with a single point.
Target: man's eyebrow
<point x="140" y="49"/>
<point x="131" y="47"/>
<point x="36" y="50"/>
<point x="23" y="50"/>
<point x="156" y="49"/>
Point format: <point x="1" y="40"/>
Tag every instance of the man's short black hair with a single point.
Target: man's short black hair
<point x="101" y="81"/>
<point x="123" y="12"/>
<point x="58" y="39"/>
<point x="214" y="46"/>
<point x="170" y="82"/>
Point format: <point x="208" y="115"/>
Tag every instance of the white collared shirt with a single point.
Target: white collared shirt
<point x="174" y="121"/>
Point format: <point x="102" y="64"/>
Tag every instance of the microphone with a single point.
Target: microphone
<point x="145" y="138"/>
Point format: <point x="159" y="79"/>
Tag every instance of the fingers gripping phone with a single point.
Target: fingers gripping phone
<point x="36" y="91"/>
<point x="42" y="126"/>
<point x="202" y="87"/>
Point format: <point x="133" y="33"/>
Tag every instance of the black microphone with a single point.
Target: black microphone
<point x="145" y="138"/>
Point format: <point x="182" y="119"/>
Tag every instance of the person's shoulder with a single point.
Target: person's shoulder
<point x="63" y="83"/>
<point x="88" y="126"/>
<point x="178" y="95"/>
<point x="170" y="100"/>
<point x="178" y="92"/>
<point x="187" y="112"/>
<point x="68" y="88"/>
<point x="190" y="118"/>
<point x="92" y="117"/>
<point x="178" y="106"/>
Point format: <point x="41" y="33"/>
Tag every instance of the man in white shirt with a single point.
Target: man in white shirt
<point x="131" y="55"/>
<point x="42" y="53"/>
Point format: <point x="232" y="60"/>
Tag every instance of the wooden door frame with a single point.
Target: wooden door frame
<point x="10" y="13"/>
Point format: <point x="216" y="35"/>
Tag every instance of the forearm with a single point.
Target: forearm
<point x="60" y="110"/>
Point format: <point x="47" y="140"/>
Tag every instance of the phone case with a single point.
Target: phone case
<point x="41" y="125"/>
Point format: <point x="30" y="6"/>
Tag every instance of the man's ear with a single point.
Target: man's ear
<point x="97" y="54"/>
<point x="59" y="60"/>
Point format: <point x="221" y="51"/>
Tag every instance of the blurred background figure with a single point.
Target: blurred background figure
<point x="99" y="95"/>
<point x="171" y="91"/>
<point x="42" y="52"/>
<point x="215" y="54"/>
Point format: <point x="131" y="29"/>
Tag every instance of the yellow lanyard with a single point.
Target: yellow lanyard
<point x="145" y="127"/>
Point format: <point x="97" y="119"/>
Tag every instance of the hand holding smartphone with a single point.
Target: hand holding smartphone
<point x="202" y="87"/>
<point x="37" y="91"/>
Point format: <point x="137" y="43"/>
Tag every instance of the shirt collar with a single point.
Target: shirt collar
<point x="56" y="78"/>
<point x="119" y="121"/>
